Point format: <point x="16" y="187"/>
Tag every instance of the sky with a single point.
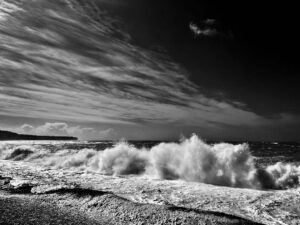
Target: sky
<point x="150" y="70"/>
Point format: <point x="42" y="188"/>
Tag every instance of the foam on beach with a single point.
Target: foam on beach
<point x="189" y="160"/>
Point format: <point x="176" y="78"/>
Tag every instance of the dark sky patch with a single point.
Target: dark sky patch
<point x="226" y="66"/>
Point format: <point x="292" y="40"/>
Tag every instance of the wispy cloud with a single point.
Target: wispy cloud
<point x="209" y="28"/>
<point x="206" y="31"/>
<point x="210" y="22"/>
<point x="74" y="65"/>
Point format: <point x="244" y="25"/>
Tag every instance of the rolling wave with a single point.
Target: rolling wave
<point x="191" y="160"/>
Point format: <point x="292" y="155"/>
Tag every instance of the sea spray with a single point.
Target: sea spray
<point x="284" y="175"/>
<point x="191" y="160"/>
<point x="194" y="160"/>
<point x="124" y="159"/>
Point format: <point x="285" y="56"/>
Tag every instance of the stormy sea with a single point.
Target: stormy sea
<point x="257" y="182"/>
<point x="75" y="61"/>
<point x="256" y="165"/>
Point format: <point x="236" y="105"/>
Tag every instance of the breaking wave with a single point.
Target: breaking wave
<point x="190" y="160"/>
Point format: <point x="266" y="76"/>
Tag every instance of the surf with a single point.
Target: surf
<point x="190" y="160"/>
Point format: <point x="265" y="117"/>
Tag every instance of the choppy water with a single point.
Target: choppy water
<point x="257" y="165"/>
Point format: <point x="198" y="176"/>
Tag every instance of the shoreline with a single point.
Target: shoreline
<point x="69" y="207"/>
<point x="133" y="200"/>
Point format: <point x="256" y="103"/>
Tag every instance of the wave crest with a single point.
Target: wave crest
<point x="124" y="159"/>
<point x="190" y="160"/>
<point x="194" y="160"/>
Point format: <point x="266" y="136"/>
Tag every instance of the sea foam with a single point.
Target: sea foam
<point x="191" y="160"/>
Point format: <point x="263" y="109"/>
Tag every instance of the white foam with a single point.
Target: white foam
<point x="190" y="160"/>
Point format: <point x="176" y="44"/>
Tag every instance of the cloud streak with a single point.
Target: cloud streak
<point x="77" y="63"/>
<point x="209" y="28"/>
<point x="202" y="32"/>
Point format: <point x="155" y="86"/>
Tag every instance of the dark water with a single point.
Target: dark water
<point x="270" y="152"/>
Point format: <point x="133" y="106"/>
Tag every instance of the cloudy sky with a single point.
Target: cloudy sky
<point x="145" y="69"/>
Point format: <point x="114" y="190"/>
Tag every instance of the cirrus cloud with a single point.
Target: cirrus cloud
<point x="209" y="28"/>
<point x="79" y="65"/>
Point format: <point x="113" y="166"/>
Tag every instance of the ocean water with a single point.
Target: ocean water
<point x="256" y="165"/>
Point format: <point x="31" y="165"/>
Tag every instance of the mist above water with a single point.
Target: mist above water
<point x="190" y="160"/>
<point x="194" y="160"/>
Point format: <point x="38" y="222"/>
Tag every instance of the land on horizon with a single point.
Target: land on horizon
<point x="11" y="136"/>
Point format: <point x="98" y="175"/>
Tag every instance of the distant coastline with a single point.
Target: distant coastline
<point x="11" y="136"/>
